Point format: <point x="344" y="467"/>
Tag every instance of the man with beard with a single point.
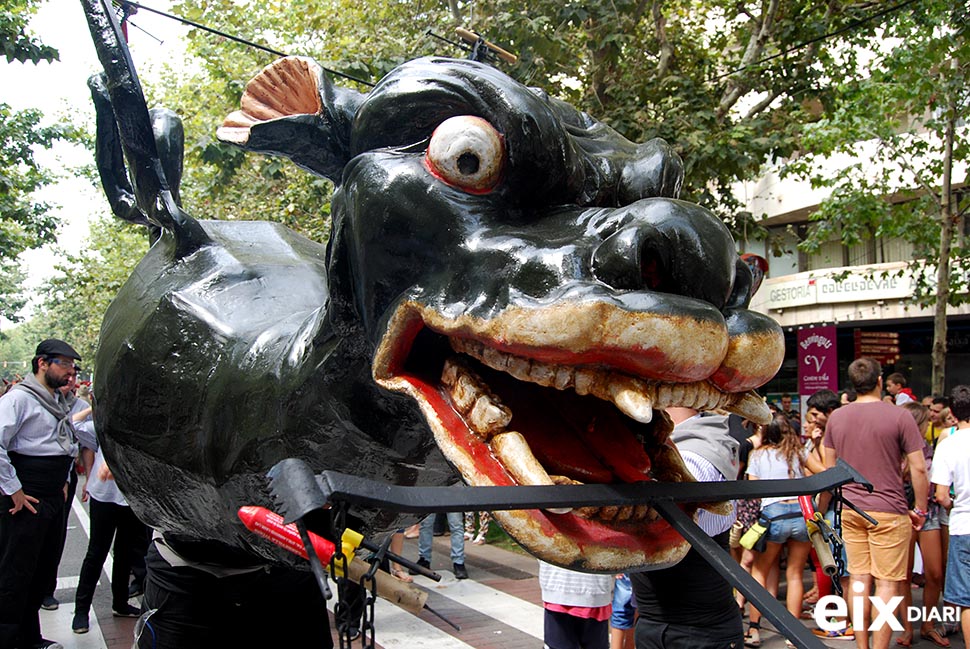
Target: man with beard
<point x="38" y="445"/>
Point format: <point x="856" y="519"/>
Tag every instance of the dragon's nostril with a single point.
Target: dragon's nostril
<point x="650" y="273"/>
<point x="468" y="163"/>
<point x="630" y="261"/>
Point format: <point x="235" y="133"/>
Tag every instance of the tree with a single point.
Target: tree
<point x="902" y="116"/>
<point x="17" y="43"/>
<point x="16" y="349"/>
<point x="25" y="222"/>
<point x="722" y="81"/>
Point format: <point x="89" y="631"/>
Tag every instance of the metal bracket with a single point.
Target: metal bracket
<point x="298" y="494"/>
<point x="293" y="487"/>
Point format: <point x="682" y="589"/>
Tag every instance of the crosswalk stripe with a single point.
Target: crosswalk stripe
<point x="517" y="613"/>
<point x="397" y="628"/>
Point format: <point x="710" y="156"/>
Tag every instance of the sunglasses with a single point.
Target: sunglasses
<point x="61" y="361"/>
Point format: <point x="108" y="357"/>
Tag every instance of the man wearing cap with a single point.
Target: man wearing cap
<point x="38" y="445"/>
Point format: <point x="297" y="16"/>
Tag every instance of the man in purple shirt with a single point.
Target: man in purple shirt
<point x="874" y="437"/>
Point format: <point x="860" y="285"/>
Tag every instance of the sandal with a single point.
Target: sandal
<point x="753" y="637"/>
<point x="903" y="641"/>
<point x="934" y="636"/>
<point x="402" y="575"/>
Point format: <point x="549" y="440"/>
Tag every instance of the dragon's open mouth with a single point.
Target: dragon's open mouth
<point x="506" y="418"/>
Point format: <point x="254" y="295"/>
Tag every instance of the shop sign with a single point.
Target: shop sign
<point x="791" y="293"/>
<point x="818" y="361"/>
<point x="861" y="288"/>
<point x="880" y="345"/>
<point x="864" y="284"/>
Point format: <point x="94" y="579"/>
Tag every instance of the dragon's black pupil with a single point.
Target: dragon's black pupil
<point x="468" y="163"/>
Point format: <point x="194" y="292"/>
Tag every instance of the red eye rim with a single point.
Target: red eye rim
<point x="468" y="153"/>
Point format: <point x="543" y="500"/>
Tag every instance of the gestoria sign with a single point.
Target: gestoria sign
<point x="859" y="285"/>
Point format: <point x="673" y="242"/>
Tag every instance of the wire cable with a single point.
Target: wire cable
<point x="849" y="27"/>
<point x="237" y="39"/>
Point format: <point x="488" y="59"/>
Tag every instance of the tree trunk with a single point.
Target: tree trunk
<point x="947" y="218"/>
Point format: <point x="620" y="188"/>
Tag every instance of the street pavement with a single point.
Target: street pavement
<point x="499" y="607"/>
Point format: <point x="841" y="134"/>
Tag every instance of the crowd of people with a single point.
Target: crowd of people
<point x="915" y="453"/>
<point x="899" y="443"/>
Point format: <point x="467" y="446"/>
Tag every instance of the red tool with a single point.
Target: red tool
<point x="270" y="526"/>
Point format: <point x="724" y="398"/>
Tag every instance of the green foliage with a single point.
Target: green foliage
<point x="16" y="349"/>
<point x="893" y="116"/>
<point x="649" y="69"/>
<point x="15" y="40"/>
<point x="76" y="299"/>
<point x="25" y="222"/>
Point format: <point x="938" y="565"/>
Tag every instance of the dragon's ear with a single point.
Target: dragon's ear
<point x="292" y="109"/>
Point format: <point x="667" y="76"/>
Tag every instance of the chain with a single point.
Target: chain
<point x="339" y="566"/>
<point x="368" y="585"/>
<point x="837" y="542"/>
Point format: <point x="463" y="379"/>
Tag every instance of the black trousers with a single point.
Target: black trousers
<point x="109" y="522"/>
<point x="30" y="547"/>
<point x="71" y="490"/>
<point x="188" y="608"/>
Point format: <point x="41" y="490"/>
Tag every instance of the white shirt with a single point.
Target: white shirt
<point x="26" y="427"/>
<point x="703" y="471"/>
<point x="951" y="466"/>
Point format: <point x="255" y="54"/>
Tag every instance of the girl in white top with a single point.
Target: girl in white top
<point x="781" y="456"/>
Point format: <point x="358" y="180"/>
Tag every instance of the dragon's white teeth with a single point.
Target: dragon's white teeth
<point x="519" y="367"/>
<point x="542" y="374"/>
<point x="635" y="404"/>
<point x="484" y="411"/>
<point x="634" y="397"/>
<point x="564" y="377"/>
<point x="584" y="381"/>
<point x="487" y="417"/>
<point x="449" y="374"/>
<point x="494" y="358"/>
<point x="513" y="451"/>
<point x="464" y="393"/>
<point x="750" y="406"/>
<point x="608" y="513"/>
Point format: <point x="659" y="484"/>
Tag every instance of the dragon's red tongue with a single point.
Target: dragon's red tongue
<point x="582" y="438"/>
<point x="613" y="444"/>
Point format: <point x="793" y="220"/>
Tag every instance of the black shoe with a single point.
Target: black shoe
<point x="460" y="572"/>
<point x="127" y="610"/>
<point x="80" y="623"/>
<point x="47" y="644"/>
<point x="424" y="563"/>
<point x="135" y="590"/>
<point x="49" y="603"/>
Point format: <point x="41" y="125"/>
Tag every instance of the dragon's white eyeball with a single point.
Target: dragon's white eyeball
<point x="468" y="153"/>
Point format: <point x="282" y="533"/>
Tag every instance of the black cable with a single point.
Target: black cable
<point x="257" y="46"/>
<point x="852" y="25"/>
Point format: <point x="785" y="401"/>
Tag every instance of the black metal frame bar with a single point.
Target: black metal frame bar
<point x="300" y="491"/>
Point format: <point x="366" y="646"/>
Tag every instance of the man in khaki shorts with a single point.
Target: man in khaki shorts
<point x="874" y="437"/>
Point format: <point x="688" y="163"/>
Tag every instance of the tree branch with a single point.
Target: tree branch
<point x="455" y="11"/>
<point x="763" y="104"/>
<point x="904" y="163"/>
<point x="736" y="84"/>
<point x="666" y="49"/>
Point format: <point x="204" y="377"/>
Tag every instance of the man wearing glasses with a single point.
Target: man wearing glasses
<point x="38" y="445"/>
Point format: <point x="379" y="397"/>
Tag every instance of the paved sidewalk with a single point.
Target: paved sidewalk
<point x="499" y="607"/>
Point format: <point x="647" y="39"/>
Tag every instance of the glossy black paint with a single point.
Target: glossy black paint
<point x="237" y="344"/>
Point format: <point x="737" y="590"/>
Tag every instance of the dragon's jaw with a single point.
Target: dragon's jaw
<point x="534" y="418"/>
